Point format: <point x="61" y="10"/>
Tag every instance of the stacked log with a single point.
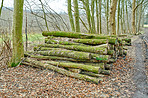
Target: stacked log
<point x="84" y="56"/>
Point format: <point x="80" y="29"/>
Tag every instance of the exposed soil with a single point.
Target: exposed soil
<point x="139" y="52"/>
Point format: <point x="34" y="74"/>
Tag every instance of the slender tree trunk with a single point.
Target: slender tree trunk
<point x="88" y="14"/>
<point x="107" y="14"/>
<point x="118" y="18"/>
<point x="45" y="19"/>
<point x="1" y="7"/>
<point x="92" y="17"/>
<point x="112" y="17"/>
<point x="127" y="20"/>
<point x="123" y="18"/>
<point x="100" y="30"/>
<point x="97" y="16"/>
<point x="140" y="15"/>
<point x="70" y="16"/>
<point x="76" y="14"/>
<point x="133" y="17"/>
<point x="137" y="15"/>
<point x="18" y="49"/>
<point x="121" y="21"/>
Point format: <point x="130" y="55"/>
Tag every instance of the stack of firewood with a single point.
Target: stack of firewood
<point x="84" y="56"/>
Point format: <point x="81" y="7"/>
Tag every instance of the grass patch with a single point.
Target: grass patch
<point x="33" y="37"/>
<point x="145" y="26"/>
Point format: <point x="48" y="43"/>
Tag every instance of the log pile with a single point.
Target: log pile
<point x="84" y="56"/>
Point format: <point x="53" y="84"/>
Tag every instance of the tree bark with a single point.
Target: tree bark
<point x="67" y="53"/>
<point x="83" y="48"/>
<point x="112" y="17"/>
<point x="89" y="68"/>
<point x="96" y="41"/>
<point x="118" y="18"/>
<point x="1" y="7"/>
<point x="127" y="18"/>
<point x="92" y="74"/>
<point x="61" y="71"/>
<point x="133" y="17"/>
<point x="48" y="41"/>
<point x="18" y="49"/>
<point x="45" y="19"/>
<point x="92" y="17"/>
<point x="76" y="14"/>
<point x="107" y="14"/>
<point x="66" y="34"/>
<point x="100" y="23"/>
<point x="88" y="15"/>
<point x="97" y="16"/>
<point x="41" y="57"/>
<point x="140" y="15"/>
<point x="70" y="15"/>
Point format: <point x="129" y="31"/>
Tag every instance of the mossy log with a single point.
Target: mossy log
<point x="66" y="34"/>
<point x="128" y="40"/>
<point x="105" y="72"/>
<point x="101" y="65"/>
<point x="43" y="57"/>
<point x="74" y="70"/>
<point x="49" y="41"/>
<point x="75" y="54"/>
<point x="122" y="35"/>
<point x="89" y="68"/>
<point x="96" y="41"/>
<point x="39" y="64"/>
<point x="103" y="46"/>
<point x="103" y="58"/>
<point x="67" y="53"/>
<point x="92" y="74"/>
<point x="86" y="48"/>
<point x="75" y="35"/>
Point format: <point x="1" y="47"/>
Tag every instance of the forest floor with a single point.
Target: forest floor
<point x="127" y="79"/>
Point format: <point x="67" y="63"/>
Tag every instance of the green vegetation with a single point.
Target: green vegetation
<point x="146" y="26"/>
<point x="33" y="37"/>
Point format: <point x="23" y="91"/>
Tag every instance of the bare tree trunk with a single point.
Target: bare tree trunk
<point x="127" y="20"/>
<point x="121" y="21"/>
<point x="123" y="18"/>
<point x="133" y="17"/>
<point x="76" y="14"/>
<point x="1" y="7"/>
<point x="44" y="15"/>
<point x="107" y="14"/>
<point x="118" y="18"/>
<point x="87" y="9"/>
<point x="18" y="49"/>
<point x="140" y="15"/>
<point x="100" y="30"/>
<point x="97" y="16"/>
<point x="70" y="16"/>
<point x="92" y="17"/>
<point x="112" y="17"/>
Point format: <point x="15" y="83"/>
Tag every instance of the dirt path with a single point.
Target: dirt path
<point x="140" y="77"/>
